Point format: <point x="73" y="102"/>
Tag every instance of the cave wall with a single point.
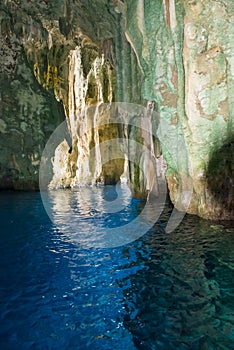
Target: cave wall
<point x="28" y="113"/>
<point x="185" y="49"/>
<point x="38" y="44"/>
<point x="58" y="57"/>
<point x="90" y="93"/>
<point x="76" y="56"/>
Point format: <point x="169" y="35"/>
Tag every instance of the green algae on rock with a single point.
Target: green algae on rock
<point x="59" y="57"/>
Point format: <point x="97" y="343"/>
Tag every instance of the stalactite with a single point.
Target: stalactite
<point x="84" y="90"/>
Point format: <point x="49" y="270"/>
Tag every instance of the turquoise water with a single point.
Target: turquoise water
<point x="162" y="291"/>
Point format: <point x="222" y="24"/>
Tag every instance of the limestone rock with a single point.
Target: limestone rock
<point x="185" y="50"/>
<point x="59" y="57"/>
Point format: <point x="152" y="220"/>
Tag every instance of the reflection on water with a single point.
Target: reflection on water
<point x="102" y="216"/>
<point x="162" y="291"/>
<point x="183" y="299"/>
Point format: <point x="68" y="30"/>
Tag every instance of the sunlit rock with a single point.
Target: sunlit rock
<point x="62" y="57"/>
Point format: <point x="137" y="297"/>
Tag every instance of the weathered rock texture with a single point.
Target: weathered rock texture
<point x="38" y="41"/>
<point x="29" y="115"/>
<point x="185" y="49"/>
<point x="59" y="56"/>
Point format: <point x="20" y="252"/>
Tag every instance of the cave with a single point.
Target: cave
<point x="116" y="137"/>
<point x="63" y="58"/>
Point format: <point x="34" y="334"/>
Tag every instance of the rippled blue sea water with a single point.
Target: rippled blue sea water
<point x="162" y="291"/>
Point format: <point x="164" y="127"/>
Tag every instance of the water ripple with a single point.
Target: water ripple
<point x="163" y="291"/>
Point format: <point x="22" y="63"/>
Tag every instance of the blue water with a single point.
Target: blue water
<point x="162" y="291"/>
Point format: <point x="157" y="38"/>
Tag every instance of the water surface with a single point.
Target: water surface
<point x="162" y="291"/>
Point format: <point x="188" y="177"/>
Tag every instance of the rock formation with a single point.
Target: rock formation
<point x="185" y="50"/>
<point x="60" y="57"/>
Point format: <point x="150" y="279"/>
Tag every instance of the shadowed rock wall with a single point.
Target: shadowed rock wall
<point x="37" y="44"/>
<point x="60" y="55"/>
<point x="185" y="49"/>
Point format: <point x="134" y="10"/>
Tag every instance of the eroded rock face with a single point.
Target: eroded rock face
<point x="69" y="49"/>
<point x="60" y="56"/>
<point x="28" y="117"/>
<point x="89" y="96"/>
<point x="208" y="51"/>
<point x="186" y="52"/>
<point x="37" y="44"/>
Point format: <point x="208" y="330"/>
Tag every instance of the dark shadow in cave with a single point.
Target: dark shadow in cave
<point x="220" y="177"/>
